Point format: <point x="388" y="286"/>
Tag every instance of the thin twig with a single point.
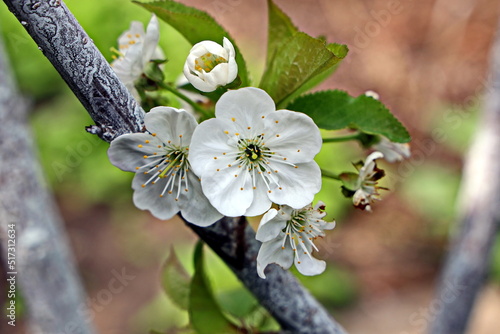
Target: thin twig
<point x="64" y="43"/>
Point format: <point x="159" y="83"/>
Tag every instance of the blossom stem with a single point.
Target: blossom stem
<point x="329" y="174"/>
<point x="193" y="104"/>
<point x="339" y="139"/>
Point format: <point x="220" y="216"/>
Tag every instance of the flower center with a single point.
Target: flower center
<point x="253" y="152"/>
<point x="301" y="231"/>
<point x="208" y="61"/>
<point x="170" y="164"/>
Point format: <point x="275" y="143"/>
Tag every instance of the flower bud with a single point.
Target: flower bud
<point x="209" y="65"/>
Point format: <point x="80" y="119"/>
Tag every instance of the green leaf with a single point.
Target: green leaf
<point x="204" y="312"/>
<point x="176" y="281"/>
<point x="349" y="180"/>
<point x="335" y="110"/>
<point x="297" y="65"/>
<point x="239" y="302"/>
<point x="280" y="29"/>
<point x="195" y="25"/>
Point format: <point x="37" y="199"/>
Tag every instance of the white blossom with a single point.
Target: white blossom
<point x="136" y="49"/>
<point x="392" y="151"/>
<point x="288" y="236"/>
<point x="210" y="65"/>
<point x="251" y="155"/>
<point x="164" y="183"/>
<point x="367" y="189"/>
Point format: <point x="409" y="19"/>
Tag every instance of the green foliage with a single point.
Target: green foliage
<point x="335" y="110"/>
<point x="333" y="288"/>
<point x="239" y="302"/>
<point x="195" y="25"/>
<point x="432" y="189"/>
<point x="296" y="62"/>
<point x="176" y="281"/>
<point x="495" y="263"/>
<point x="299" y="63"/>
<point x="204" y="312"/>
<point x="280" y="29"/>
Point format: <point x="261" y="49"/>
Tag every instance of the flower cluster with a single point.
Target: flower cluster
<point x="136" y="49"/>
<point x="243" y="161"/>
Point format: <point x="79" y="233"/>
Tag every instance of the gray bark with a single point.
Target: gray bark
<point x="73" y="54"/>
<point x="43" y="268"/>
<point x="469" y="257"/>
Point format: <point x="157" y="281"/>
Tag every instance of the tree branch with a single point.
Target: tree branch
<point x="46" y="274"/>
<point x="73" y="54"/>
<point x="468" y="261"/>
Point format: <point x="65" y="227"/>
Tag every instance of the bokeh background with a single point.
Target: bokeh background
<point x="427" y="59"/>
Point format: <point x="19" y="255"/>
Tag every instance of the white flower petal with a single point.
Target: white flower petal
<point x="125" y="153"/>
<point x="246" y="106"/>
<point x="171" y="124"/>
<point x="129" y="68"/>
<point x="296" y="143"/>
<point x="136" y="28"/>
<point x="196" y="81"/>
<point x="231" y="195"/>
<point x="148" y="197"/>
<point x="209" y="141"/>
<point x="217" y="75"/>
<point x="308" y="265"/>
<point x="203" y="47"/>
<point x="151" y="40"/>
<point x="392" y="151"/>
<point x="272" y="252"/>
<point x="298" y="185"/>
<point x="261" y="202"/>
<point x="196" y="208"/>
<point x="232" y="72"/>
<point x="270" y="226"/>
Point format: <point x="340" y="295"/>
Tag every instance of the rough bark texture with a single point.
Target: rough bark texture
<point x="74" y="55"/>
<point x="469" y="258"/>
<point x="72" y="52"/>
<point x="45" y="272"/>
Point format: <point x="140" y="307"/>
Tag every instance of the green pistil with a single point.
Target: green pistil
<point x="178" y="158"/>
<point x="208" y="61"/>
<point x="253" y="152"/>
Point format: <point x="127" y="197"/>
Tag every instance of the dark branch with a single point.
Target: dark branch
<point x="46" y="274"/>
<point x="469" y="258"/>
<point x="81" y="65"/>
<point x="79" y="62"/>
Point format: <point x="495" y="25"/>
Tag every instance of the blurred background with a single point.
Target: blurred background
<point x="428" y="60"/>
